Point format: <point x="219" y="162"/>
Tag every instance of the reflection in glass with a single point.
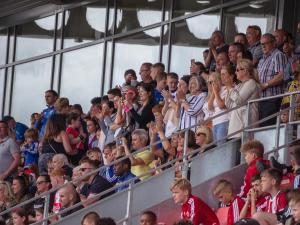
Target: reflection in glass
<point x="137" y="14"/>
<point x="32" y="34"/>
<point x="81" y="75"/>
<point x="31" y="80"/>
<point x="2" y="79"/>
<point x="132" y="52"/>
<point x="238" y="18"/>
<point x="85" y="24"/>
<point x="188" y="6"/>
<point x="190" y="39"/>
<point x="3" y="45"/>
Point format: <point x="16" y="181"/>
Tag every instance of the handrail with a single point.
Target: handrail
<point x="160" y="141"/>
<point x="131" y="181"/>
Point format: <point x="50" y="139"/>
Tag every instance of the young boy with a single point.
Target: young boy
<point x="192" y="207"/>
<point x="276" y="202"/>
<point x="253" y="152"/>
<point x="295" y="161"/>
<point x="294" y="204"/>
<point x="161" y="84"/>
<point x="225" y="194"/>
<point x="256" y="199"/>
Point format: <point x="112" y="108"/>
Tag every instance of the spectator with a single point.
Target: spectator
<point x="241" y="38"/>
<point x="20" y="191"/>
<point x="204" y="137"/>
<point x="130" y="78"/>
<point x="148" y="218"/>
<point x="288" y="50"/>
<point x="196" y="68"/>
<point x="9" y="154"/>
<point x="141" y="161"/>
<point x="7" y="199"/>
<point x="122" y="171"/>
<point x="222" y="60"/>
<point x="62" y="106"/>
<point x="276" y="203"/>
<point x="19" y="217"/>
<point x="145" y="72"/>
<point x="29" y="148"/>
<point x="39" y="214"/>
<point x="60" y="161"/>
<point x="76" y="178"/>
<point x="17" y="129"/>
<point x="191" y="106"/>
<point x="192" y="207"/>
<point x="253" y="35"/>
<point x="225" y="194"/>
<point x="33" y="119"/>
<point x="294" y="203"/>
<point x="92" y="127"/>
<point x="55" y="141"/>
<point x="280" y="37"/>
<point x="253" y="152"/>
<point x="43" y="184"/>
<point x="270" y="70"/>
<point x="91" y="218"/>
<point x="216" y="104"/>
<point x="95" y="184"/>
<point x="112" y="93"/>
<point x="172" y="82"/>
<point x="233" y="51"/>
<point x="161" y="84"/>
<point x="109" y="157"/>
<point x="247" y="221"/>
<point x="144" y="114"/>
<point x="68" y="198"/>
<point x="50" y="98"/>
<point x="57" y="178"/>
<point x="248" y="89"/>
<point x="216" y="45"/>
<point x="95" y="154"/>
<point x="157" y="69"/>
<point x="107" y="221"/>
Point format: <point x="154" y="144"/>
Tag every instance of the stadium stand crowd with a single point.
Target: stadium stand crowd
<point x="63" y="143"/>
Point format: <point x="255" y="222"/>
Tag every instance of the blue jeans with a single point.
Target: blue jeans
<point x="220" y="131"/>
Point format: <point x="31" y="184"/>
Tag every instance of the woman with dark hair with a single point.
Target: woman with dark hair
<point x="55" y="141"/>
<point x="19" y="217"/>
<point x="21" y="191"/>
<point x="144" y="113"/>
<point x="91" y="218"/>
<point x="92" y="127"/>
<point x="192" y="106"/>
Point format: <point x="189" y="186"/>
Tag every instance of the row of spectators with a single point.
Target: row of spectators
<point x="63" y="143"/>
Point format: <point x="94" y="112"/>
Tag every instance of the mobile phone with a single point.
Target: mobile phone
<point x="193" y="61"/>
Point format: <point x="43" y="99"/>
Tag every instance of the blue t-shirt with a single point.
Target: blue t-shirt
<point x="40" y="125"/>
<point x="20" y="130"/>
<point x="31" y="154"/>
<point x="128" y="176"/>
<point x="157" y="96"/>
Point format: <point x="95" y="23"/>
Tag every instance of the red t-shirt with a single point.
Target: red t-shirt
<point x="75" y="134"/>
<point x="276" y="204"/>
<point x="251" y="171"/>
<point x="198" y="212"/>
<point x="234" y="210"/>
<point x="261" y="203"/>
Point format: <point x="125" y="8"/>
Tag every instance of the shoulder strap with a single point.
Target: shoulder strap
<point x="52" y="147"/>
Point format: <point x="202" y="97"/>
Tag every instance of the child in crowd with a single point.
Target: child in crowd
<point x="75" y="132"/>
<point x="294" y="203"/>
<point x="192" y="207"/>
<point x="30" y="147"/>
<point x="94" y="154"/>
<point x="225" y="194"/>
<point x="276" y="202"/>
<point x="161" y="84"/>
<point x="253" y="152"/>
<point x="256" y="198"/>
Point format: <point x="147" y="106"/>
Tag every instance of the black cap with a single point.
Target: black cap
<point x="247" y="222"/>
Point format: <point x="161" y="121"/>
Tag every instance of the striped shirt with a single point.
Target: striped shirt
<point x="194" y="114"/>
<point x="234" y="210"/>
<point x="269" y="66"/>
<point x="256" y="51"/>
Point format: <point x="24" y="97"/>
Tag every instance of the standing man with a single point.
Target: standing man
<point x="50" y="97"/>
<point x="17" y="129"/>
<point x="253" y="35"/>
<point x="145" y="72"/>
<point x="270" y="71"/>
<point x="10" y="157"/>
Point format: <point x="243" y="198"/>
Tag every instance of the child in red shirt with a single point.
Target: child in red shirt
<point x="276" y="202"/>
<point x="192" y="207"/>
<point x="253" y="152"/>
<point x="75" y="132"/>
<point x="225" y="194"/>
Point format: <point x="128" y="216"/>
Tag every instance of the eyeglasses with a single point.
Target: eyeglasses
<point x="84" y="169"/>
<point x="239" y="69"/>
<point x="40" y="182"/>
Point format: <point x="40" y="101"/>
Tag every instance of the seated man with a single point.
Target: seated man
<point x="225" y="193"/>
<point x="276" y="203"/>
<point x="123" y="173"/>
<point x="95" y="184"/>
<point x="192" y="207"/>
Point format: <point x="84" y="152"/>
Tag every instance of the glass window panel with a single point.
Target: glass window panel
<point x="238" y="18"/>
<point x="31" y="80"/>
<point x="137" y="14"/>
<point x="190" y="39"/>
<point x="165" y="45"/>
<point x="3" y="45"/>
<point x="2" y="79"/>
<point x="85" y="24"/>
<point x="185" y="7"/>
<point x="131" y="52"/>
<point x="38" y="33"/>
<point x="81" y="75"/>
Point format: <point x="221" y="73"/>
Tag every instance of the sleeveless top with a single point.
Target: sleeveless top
<point x="52" y="146"/>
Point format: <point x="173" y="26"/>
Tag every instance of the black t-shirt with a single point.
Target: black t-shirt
<point x="98" y="185"/>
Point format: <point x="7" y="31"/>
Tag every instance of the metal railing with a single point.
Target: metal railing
<point x="184" y="158"/>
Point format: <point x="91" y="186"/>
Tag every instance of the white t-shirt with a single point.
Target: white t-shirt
<point x="217" y="110"/>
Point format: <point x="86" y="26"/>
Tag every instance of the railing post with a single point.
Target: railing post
<point x="129" y="204"/>
<point x="185" y="166"/>
<point x="46" y="208"/>
<point x="291" y="110"/>
<point x="277" y="136"/>
<point x="245" y="134"/>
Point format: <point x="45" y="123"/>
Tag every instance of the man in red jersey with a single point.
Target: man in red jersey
<point x="192" y="207"/>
